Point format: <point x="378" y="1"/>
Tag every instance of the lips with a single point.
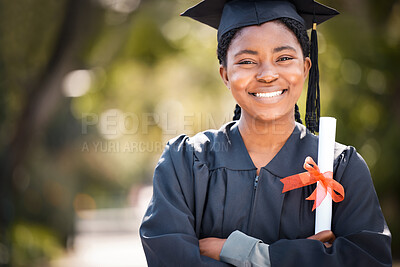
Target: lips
<point x="269" y="94"/>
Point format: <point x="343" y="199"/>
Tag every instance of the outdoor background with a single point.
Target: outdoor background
<point x="90" y="91"/>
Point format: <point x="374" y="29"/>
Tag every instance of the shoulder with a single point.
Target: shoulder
<point x="202" y="141"/>
<point x="350" y="166"/>
<point x="308" y="142"/>
<point x="346" y="157"/>
<point x="203" y="146"/>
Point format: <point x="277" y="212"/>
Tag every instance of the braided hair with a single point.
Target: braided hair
<point x="296" y="27"/>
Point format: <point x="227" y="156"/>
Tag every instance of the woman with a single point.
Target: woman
<point x="217" y="196"/>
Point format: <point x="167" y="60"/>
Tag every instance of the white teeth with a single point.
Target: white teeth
<point x="272" y="94"/>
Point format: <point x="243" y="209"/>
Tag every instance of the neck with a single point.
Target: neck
<point x="265" y="135"/>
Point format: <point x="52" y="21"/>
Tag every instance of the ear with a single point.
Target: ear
<point x="224" y="75"/>
<point x="307" y="66"/>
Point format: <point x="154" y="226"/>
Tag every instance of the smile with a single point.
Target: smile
<point x="269" y="95"/>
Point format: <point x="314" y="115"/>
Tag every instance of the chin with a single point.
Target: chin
<point x="273" y="117"/>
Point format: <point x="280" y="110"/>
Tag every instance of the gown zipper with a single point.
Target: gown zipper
<point x="256" y="182"/>
<point x="253" y="203"/>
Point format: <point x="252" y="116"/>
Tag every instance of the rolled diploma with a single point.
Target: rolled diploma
<point x="326" y="146"/>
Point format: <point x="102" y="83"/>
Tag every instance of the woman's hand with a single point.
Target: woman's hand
<point x="211" y="247"/>
<point x="327" y="237"/>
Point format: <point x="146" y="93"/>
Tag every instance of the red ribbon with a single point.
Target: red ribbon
<point x="313" y="175"/>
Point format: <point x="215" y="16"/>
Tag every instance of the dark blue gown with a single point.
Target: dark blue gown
<point x="205" y="186"/>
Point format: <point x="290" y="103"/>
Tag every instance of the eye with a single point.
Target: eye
<point x="285" y="58"/>
<point x="246" y="62"/>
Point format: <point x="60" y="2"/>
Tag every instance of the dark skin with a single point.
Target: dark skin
<point x="266" y="77"/>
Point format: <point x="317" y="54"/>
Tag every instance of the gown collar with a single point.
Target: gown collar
<point x="288" y="161"/>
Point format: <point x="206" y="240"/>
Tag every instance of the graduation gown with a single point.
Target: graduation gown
<point x="207" y="186"/>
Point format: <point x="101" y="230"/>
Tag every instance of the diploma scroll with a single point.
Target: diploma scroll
<point x="326" y="146"/>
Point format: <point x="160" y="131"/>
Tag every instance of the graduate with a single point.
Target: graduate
<point x="217" y="197"/>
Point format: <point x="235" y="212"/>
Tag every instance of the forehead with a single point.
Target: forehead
<point x="265" y="36"/>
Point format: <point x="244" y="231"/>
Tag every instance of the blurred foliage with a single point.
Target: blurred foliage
<point x="365" y="92"/>
<point x="36" y="243"/>
<point x="77" y="140"/>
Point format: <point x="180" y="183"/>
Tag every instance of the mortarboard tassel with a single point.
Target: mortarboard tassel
<point x="313" y="93"/>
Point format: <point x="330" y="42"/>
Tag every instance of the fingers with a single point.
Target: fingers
<point x="211" y="247"/>
<point x="203" y="245"/>
<point x="327" y="237"/>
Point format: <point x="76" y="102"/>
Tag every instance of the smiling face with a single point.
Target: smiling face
<point x="265" y="72"/>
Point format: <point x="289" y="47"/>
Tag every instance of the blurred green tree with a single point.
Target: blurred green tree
<point x="365" y="89"/>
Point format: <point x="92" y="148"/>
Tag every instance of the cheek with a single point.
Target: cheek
<point x="296" y="77"/>
<point x="239" y="79"/>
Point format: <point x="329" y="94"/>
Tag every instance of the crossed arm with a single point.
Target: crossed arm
<point x="212" y="246"/>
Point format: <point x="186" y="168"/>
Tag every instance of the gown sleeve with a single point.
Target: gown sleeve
<point x="167" y="230"/>
<point x="243" y="250"/>
<point x="362" y="236"/>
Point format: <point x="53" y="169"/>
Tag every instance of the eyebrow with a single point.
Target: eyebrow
<point x="246" y="51"/>
<point x="275" y="50"/>
<point x="281" y="48"/>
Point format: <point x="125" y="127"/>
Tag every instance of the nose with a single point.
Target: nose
<point x="267" y="74"/>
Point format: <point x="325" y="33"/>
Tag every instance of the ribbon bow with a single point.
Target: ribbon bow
<point x="313" y="175"/>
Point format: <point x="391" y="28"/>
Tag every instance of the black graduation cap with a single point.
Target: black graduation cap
<point x="225" y="15"/>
